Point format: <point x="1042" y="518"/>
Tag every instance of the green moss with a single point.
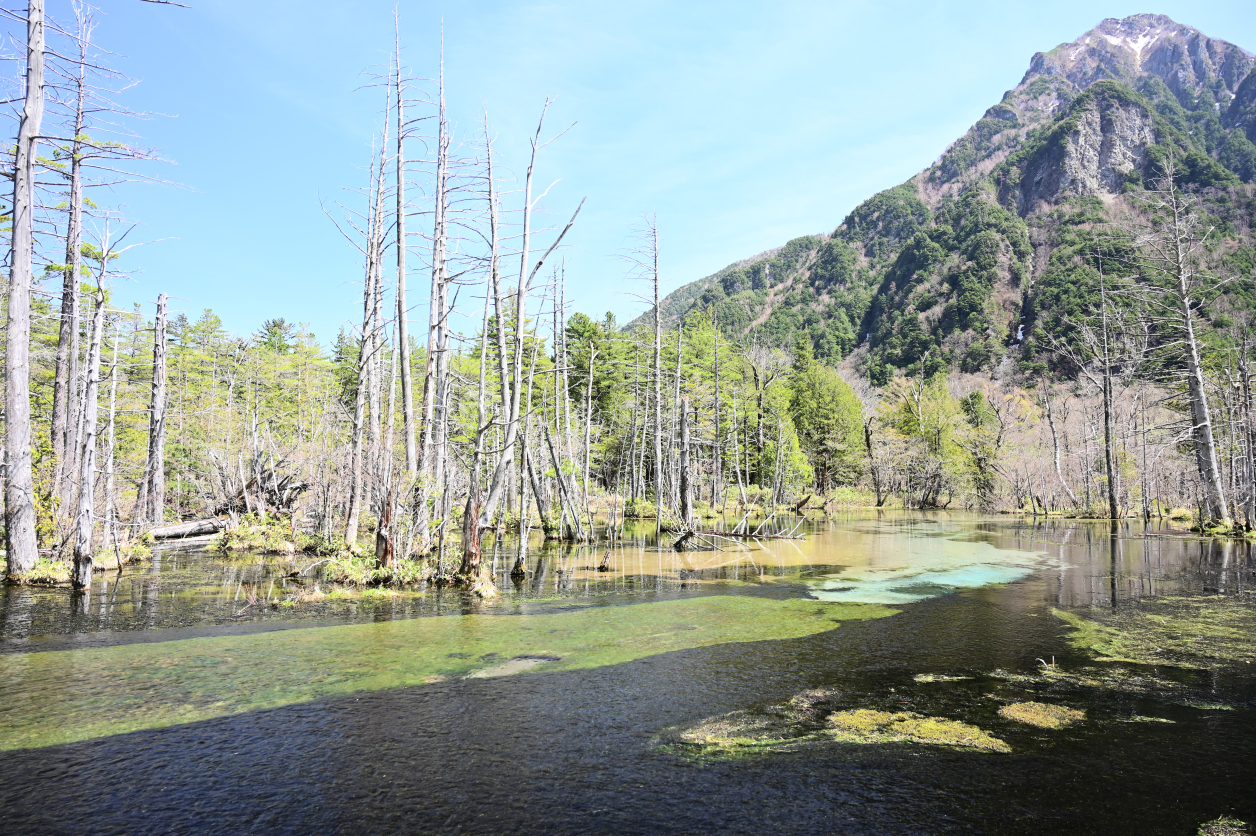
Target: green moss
<point x="71" y="695"/>
<point x="866" y="725"/>
<point x="45" y="572"/>
<point x="1042" y="715"/>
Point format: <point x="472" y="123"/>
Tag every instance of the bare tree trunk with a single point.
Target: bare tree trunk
<point x="384" y="538"/>
<point x="431" y="469"/>
<point x="717" y="470"/>
<point x="21" y="549"/>
<point x="1109" y="455"/>
<point x="1174" y="253"/>
<point x="499" y="308"/>
<point x="356" y="454"/>
<point x="498" y="484"/>
<point x="1049" y="409"/>
<point x="82" y="573"/>
<point x="111" y="504"/>
<point x="403" y="314"/>
<point x="65" y="384"/>
<point x="588" y="424"/>
<point x="151" y="504"/>
<point x="686" y="483"/>
<point x="658" y="384"/>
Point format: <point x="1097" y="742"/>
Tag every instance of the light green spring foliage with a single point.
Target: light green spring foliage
<point x="67" y="696"/>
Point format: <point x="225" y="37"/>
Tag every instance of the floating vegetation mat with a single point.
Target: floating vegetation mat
<point x="815" y="717"/>
<point x="1043" y="715"/>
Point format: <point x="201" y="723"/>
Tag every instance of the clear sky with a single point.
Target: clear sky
<point x="741" y="125"/>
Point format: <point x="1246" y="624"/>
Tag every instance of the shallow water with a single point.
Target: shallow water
<point x="165" y="702"/>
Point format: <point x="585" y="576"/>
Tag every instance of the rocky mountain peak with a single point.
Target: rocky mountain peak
<point x="1185" y="59"/>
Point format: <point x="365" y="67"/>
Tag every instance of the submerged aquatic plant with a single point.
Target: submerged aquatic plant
<point x="73" y="695"/>
<point x="1224" y="826"/>
<point x="1199" y="632"/>
<point x="1043" y="715"/>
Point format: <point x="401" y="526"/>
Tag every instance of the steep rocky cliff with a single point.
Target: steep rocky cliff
<point x="942" y="270"/>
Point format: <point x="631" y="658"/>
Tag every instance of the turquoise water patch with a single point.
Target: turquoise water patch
<point x="924" y="570"/>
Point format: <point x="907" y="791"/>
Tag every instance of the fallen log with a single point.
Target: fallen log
<point x="195" y="528"/>
<point x="750" y="536"/>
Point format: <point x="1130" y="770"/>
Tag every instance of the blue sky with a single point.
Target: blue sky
<point x="741" y="125"/>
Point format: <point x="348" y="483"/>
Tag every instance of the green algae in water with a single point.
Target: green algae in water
<point x="867" y="725"/>
<point x="1043" y="715"/>
<point x="72" y="695"/>
<point x="810" y="719"/>
<point x="1201" y="633"/>
<point x="738" y="734"/>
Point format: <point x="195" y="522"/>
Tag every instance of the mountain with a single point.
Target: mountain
<point x="965" y="263"/>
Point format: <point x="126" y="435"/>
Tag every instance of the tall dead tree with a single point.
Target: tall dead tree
<point x="150" y="502"/>
<point x="81" y="576"/>
<point x="686" y="478"/>
<point x="431" y="452"/>
<point x="1171" y="251"/>
<point x="369" y="347"/>
<point x="65" y="382"/>
<point x="21" y="548"/>
<point x="403" y="313"/>
<point x="658" y="381"/>
<point x="498" y="484"/>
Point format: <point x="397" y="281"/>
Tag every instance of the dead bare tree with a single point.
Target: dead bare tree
<point x="21" y="549"/>
<point x="150" y="503"/>
<point x="1171" y="251"/>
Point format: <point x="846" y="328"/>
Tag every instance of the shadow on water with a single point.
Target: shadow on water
<point x="570" y="751"/>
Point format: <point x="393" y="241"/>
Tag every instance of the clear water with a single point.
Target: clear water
<point x="164" y="702"/>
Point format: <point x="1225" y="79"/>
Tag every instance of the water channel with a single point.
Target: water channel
<point x="197" y="693"/>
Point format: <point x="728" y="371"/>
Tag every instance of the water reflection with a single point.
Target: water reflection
<point x="888" y="557"/>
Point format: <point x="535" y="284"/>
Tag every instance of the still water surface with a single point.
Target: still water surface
<point x="165" y="702"/>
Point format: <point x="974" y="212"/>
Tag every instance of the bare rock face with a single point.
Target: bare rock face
<point x="1242" y="110"/>
<point x="1090" y="154"/>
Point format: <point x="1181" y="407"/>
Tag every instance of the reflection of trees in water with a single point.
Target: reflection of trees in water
<point x="1104" y="564"/>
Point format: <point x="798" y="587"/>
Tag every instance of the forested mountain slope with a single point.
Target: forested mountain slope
<point x="964" y="265"/>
